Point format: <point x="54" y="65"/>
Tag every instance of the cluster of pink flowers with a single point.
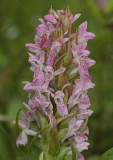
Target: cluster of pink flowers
<point x="58" y="58"/>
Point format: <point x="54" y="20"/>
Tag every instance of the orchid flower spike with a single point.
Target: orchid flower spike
<point x="58" y="102"/>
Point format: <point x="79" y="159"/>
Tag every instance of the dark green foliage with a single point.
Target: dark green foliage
<point x="108" y="155"/>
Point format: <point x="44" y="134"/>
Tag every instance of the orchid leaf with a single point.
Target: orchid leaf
<point x="41" y="156"/>
<point x="63" y="153"/>
<point x="73" y="150"/>
<point x="6" y="149"/>
<point x="25" y="153"/>
<point x="44" y="123"/>
<point x="108" y="155"/>
<point x="63" y="122"/>
<point x="59" y="59"/>
<point x="35" y="138"/>
<point x="68" y="157"/>
<point x="54" y="142"/>
<point x="85" y="124"/>
<point x="43" y="120"/>
<point x="64" y="118"/>
<point x="62" y="132"/>
<point x="73" y="76"/>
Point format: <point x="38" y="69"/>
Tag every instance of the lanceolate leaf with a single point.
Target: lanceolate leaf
<point x="58" y="60"/>
<point x="25" y="153"/>
<point x="62" y="132"/>
<point x="73" y="151"/>
<point x="36" y="136"/>
<point x="63" y="153"/>
<point x="85" y="124"/>
<point x="107" y="155"/>
<point x="41" y="156"/>
<point x="43" y="120"/>
<point x="64" y="118"/>
<point x="54" y="142"/>
<point x="34" y="139"/>
<point x="6" y="150"/>
<point x="63" y="122"/>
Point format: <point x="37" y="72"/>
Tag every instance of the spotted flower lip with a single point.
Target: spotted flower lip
<point x="33" y="47"/>
<point x="82" y="146"/>
<point x="58" y="93"/>
<point x="61" y="108"/>
<point x="73" y="19"/>
<point x="56" y="46"/>
<point x="75" y="124"/>
<point x="22" y="139"/>
<point x="83" y="35"/>
<point x="80" y="137"/>
<point x="50" y="18"/>
<point x="51" y="58"/>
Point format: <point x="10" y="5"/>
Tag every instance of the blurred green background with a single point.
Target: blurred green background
<point x="18" y="20"/>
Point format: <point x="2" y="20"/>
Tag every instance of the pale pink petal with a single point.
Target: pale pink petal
<point x="21" y="124"/>
<point x="56" y="46"/>
<point x="89" y="62"/>
<point x="50" y="59"/>
<point x="84" y="101"/>
<point x="26" y="116"/>
<point x="30" y="132"/>
<point x="43" y="27"/>
<point x="64" y="40"/>
<point x="37" y="40"/>
<point x="84" y="53"/>
<point x="27" y="106"/>
<point x="80" y="137"/>
<point x="50" y="18"/>
<point x="75" y="18"/>
<point x="82" y="146"/>
<point x="49" y="69"/>
<point x="58" y="94"/>
<point x="80" y="157"/>
<point x="34" y="60"/>
<point x="75" y="124"/>
<point x="86" y="131"/>
<point x="73" y="71"/>
<point x="87" y="84"/>
<point x="51" y="27"/>
<point x="45" y="42"/>
<point x="83" y="27"/>
<point x="84" y="114"/>
<point x="62" y="109"/>
<point x="88" y="35"/>
<point x="30" y="86"/>
<point x="66" y="85"/>
<point x="41" y="20"/>
<point x="22" y="139"/>
<point x="50" y="116"/>
<point x="59" y="71"/>
<point x="32" y="47"/>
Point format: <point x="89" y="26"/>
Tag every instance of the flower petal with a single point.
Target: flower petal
<point x="30" y="132"/>
<point x="50" y="18"/>
<point x="22" y="139"/>
<point x="59" y="71"/>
